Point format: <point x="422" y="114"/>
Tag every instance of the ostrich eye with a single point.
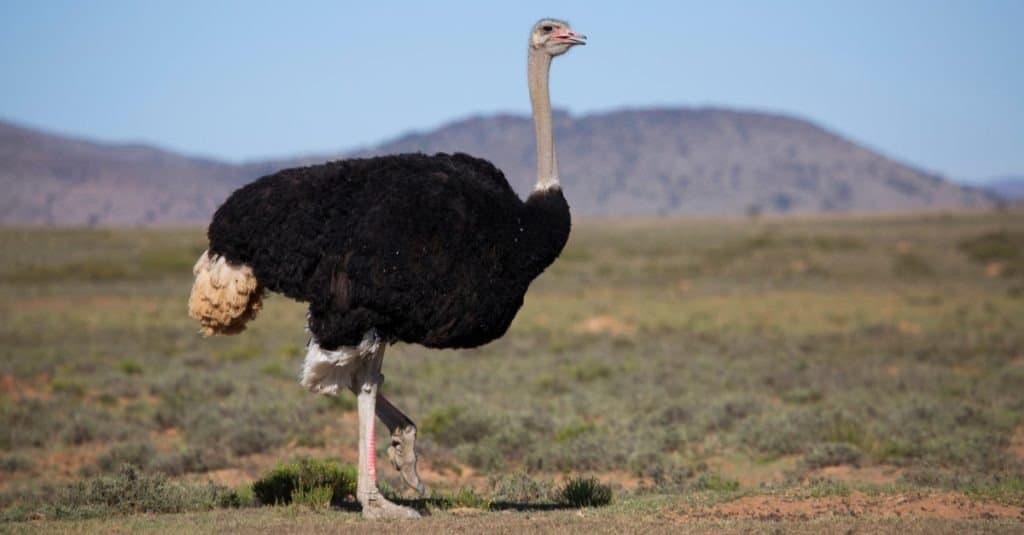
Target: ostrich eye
<point x="547" y="28"/>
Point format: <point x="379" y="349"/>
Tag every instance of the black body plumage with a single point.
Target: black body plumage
<point x="436" y="250"/>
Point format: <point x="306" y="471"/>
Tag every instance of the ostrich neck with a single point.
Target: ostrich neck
<point x="538" y="67"/>
<point x="546" y="222"/>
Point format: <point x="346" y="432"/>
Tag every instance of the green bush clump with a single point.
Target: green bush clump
<point x="464" y="497"/>
<point x="573" y="430"/>
<point x="910" y="265"/>
<point x="587" y="452"/>
<point x="715" y="481"/>
<point x="130" y="367"/>
<point x="238" y="497"/>
<point x="15" y="463"/>
<point x="586" y="492"/>
<point x="316" y="498"/>
<point x="452" y="426"/>
<point x="301" y="478"/>
<point x="138" y="454"/>
<point x="793" y="431"/>
<point x="725" y="414"/>
<point x="189" y="460"/>
<point x="1001" y="246"/>
<point x="131" y="491"/>
<point x="833" y="454"/>
<point x="520" y="488"/>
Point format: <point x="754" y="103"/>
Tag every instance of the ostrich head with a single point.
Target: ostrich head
<point x="554" y="37"/>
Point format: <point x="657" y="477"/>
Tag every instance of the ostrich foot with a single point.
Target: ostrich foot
<point x="402" y="453"/>
<point x="377" y="507"/>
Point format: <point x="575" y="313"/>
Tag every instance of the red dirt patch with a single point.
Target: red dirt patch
<point x="18" y="389"/>
<point x="604" y="324"/>
<point x="878" y="475"/>
<point x="68" y="463"/>
<point x="229" y="477"/>
<point x="166" y="440"/>
<point x="994" y="269"/>
<point x="948" y="505"/>
<point x="752" y="474"/>
<point x="1017" y="443"/>
<point x="628" y="480"/>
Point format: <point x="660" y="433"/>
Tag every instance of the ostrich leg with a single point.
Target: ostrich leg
<point x="402" y="451"/>
<point x="375" y="506"/>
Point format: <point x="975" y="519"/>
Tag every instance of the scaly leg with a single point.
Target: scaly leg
<point x="402" y="450"/>
<point x="375" y="506"/>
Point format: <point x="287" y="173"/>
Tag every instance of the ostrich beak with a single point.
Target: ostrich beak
<point x="571" y="36"/>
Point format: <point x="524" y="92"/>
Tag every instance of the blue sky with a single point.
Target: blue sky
<point x="937" y="83"/>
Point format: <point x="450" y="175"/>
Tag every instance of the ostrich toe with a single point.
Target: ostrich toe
<point x="377" y="507"/>
<point x="402" y="453"/>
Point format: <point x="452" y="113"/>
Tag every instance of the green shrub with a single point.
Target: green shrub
<point x="793" y="431"/>
<point x="715" y="481"/>
<point x="15" y="463"/>
<point x="723" y="415"/>
<point x="189" y="460"/>
<point x="244" y="425"/>
<point x="85" y="425"/>
<point x="131" y="491"/>
<point x="586" y="452"/>
<point x="669" y="477"/>
<point x="305" y="475"/>
<point x="833" y="454"/>
<point x="573" y="430"/>
<point x="464" y="497"/>
<point x="911" y="265"/>
<point x="238" y="497"/>
<point x="130" y="367"/>
<point x="316" y="498"/>
<point x="252" y="437"/>
<point x="994" y="247"/>
<point x="586" y="492"/>
<point x="452" y="426"/>
<point x="520" y="488"/>
<point x="137" y="454"/>
<point x="674" y="413"/>
<point x="802" y="395"/>
<point x="67" y="387"/>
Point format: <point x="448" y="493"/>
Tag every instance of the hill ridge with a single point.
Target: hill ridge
<point x="661" y="160"/>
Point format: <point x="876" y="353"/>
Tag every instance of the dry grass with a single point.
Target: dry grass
<point x="672" y="358"/>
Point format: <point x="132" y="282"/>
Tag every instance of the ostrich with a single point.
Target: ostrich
<point x="433" y="250"/>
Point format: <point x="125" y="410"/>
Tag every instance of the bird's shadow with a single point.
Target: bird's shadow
<point x="522" y="506"/>
<point x="424" y="505"/>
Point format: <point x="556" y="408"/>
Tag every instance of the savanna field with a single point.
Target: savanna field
<point x="802" y="375"/>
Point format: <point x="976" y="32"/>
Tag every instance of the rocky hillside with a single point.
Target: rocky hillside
<point x="704" y="161"/>
<point x="640" y="162"/>
<point x="54" y="180"/>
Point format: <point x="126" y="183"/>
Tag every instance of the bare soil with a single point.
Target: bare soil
<point x="1017" y="443"/>
<point x="945" y="505"/>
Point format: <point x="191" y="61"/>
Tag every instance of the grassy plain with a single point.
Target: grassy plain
<point x="721" y="375"/>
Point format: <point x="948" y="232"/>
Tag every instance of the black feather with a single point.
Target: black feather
<point x="436" y="250"/>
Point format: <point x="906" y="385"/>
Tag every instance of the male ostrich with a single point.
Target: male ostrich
<point x="433" y="250"/>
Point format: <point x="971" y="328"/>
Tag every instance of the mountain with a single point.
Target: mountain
<point x="55" y="180"/>
<point x="1008" y="188"/>
<point x="633" y="162"/>
<point x="700" y="161"/>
